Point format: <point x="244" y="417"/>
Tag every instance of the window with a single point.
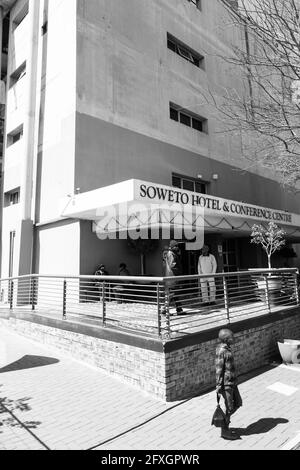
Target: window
<point x="45" y="28"/>
<point x="11" y="198"/>
<point x="16" y="76"/>
<point x="188" y="118"/>
<point x="21" y="15"/>
<point x="197" y="3"/>
<point x="174" y="114"/>
<point x="5" y="37"/>
<point x="189" y="184"/>
<point x="184" y="51"/>
<point x="185" y="119"/>
<point x="14" y="198"/>
<point x="14" y="136"/>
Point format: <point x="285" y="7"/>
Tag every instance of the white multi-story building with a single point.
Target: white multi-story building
<point x="100" y="92"/>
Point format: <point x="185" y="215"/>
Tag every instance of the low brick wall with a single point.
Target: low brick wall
<point x="141" y="367"/>
<point x="171" y="370"/>
<point x="191" y="369"/>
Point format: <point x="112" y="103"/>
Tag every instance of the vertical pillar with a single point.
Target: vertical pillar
<point x="1" y="34"/>
<point x="29" y="139"/>
<point x="2" y="103"/>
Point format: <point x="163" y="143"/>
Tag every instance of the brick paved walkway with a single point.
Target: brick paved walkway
<point x="51" y="402"/>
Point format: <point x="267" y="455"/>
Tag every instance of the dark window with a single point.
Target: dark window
<point x="200" y="188"/>
<point x="5" y="37"/>
<point x="12" y="198"/>
<point x="17" y="137"/>
<point x="187" y="118"/>
<point x="184" y="51"/>
<point x="184" y="119"/>
<point x="198" y="125"/>
<point x="173" y="114"/>
<point x="176" y="181"/>
<point x="172" y="45"/>
<point x="19" y="73"/>
<point x="14" y="136"/>
<point x="189" y="184"/>
<point x="17" y="20"/>
<point x="45" y="28"/>
<point x="197" y="3"/>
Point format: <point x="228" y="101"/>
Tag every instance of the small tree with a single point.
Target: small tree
<point x="271" y="238"/>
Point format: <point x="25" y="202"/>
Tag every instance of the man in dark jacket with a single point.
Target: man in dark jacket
<point x="172" y="267"/>
<point x="226" y="380"/>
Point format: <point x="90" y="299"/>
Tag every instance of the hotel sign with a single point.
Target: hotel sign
<point x="163" y="194"/>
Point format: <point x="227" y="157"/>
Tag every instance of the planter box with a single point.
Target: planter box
<point x="273" y="283"/>
<point x="290" y="351"/>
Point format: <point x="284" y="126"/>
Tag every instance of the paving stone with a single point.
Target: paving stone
<point x="73" y="406"/>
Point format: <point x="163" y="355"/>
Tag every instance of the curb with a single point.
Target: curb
<point x="292" y="444"/>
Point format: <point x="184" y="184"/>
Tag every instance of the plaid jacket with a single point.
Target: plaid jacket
<point x="225" y="368"/>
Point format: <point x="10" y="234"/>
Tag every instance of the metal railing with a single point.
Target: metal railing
<point x="163" y="307"/>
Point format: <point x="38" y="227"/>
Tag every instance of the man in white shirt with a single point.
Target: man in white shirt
<point x="207" y="264"/>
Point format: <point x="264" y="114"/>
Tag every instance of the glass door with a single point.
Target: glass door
<point x="230" y="258"/>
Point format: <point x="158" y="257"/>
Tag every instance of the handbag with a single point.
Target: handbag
<point x="219" y="417"/>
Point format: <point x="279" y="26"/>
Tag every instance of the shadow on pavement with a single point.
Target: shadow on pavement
<point x="9" y="407"/>
<point x="261" y="426"/>
<point x="29" y="362"/>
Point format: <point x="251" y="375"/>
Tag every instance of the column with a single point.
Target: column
<point x="29" y="139"/>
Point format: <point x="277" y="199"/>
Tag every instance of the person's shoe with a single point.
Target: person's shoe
<point x="179" y="310"/>
<point x="229" y="435"/>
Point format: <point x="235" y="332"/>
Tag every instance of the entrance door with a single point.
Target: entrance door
<point x="12" y="237"/>
<point x="190" y="261"/>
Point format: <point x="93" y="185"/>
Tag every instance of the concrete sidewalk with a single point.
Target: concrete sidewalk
<point x="53" y="402"/>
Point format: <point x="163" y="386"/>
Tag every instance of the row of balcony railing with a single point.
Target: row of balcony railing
<point x="156" y="306"/>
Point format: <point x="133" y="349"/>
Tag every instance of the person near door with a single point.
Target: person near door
<point x="207" y="264"/>
<point x="172" y="266"/>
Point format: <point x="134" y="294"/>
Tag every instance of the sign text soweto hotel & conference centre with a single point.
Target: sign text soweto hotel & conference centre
<point x="208" y="202"/>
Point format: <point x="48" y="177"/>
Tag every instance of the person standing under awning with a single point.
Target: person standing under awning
<point x="207" y="264"/>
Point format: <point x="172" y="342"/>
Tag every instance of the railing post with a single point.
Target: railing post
<point x="103" y="304"/>
<point x="65" y="300"/>
<point x="33" y="294"/>
<point x="296" y="287"/>
<point x="11" y="295"/>
<point x="226" y="298"/>
<point x="267" y="292"/>
<point x="167" y="309"/>
<point x="158" y="309"/>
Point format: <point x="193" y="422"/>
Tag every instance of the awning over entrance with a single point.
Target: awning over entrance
<point x="136" y="204"/>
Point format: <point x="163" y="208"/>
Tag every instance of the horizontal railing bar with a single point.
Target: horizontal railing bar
<point x="262" y="272"/>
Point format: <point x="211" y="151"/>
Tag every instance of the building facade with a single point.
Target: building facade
<point x="99" y="93"/>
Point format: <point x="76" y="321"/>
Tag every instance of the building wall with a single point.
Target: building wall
<point x="127" y="41"/>
<point x="58" y="100"/>
<point x="15" y="109"/>
<point x="106" y="80"/>
<point x="107" y="154"/>
<point x="54" y="146"/>
<point x="58" y="249"/>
